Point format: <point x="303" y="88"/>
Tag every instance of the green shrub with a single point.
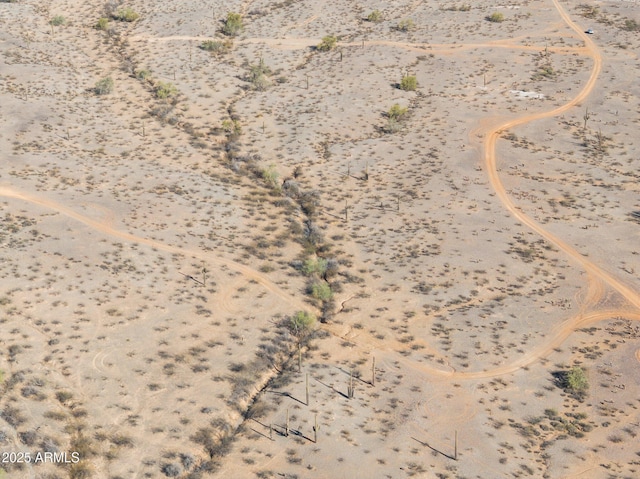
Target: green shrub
<point x="409" y="83"/>
<point x="103" y="23"/>
<point x="406" y="25"/>
<point x="375" y="16"/>
<point x="301" y="323"/>
<point x="58" y="20"/>
<point x="328" y="43"/>
<point x="397" y="111"/>
<point x="576" y="380"/>
<point x="321" y="290"/>
<point x="233" y="24"/>
<point x="496" y="17"/>
<point x="165" y="90"/>
<point x="104" y="86"/>
<point x="126" y="14"/>
<point x="315" y="266"/>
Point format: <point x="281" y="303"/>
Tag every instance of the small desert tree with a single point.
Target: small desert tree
<point x="233" y="24"/>
<point x="126" y="14"/>
<point x="328" y="43"/>
<point x="104" y="86"/>
<point x="409" y="83"/>
<point x="301" y="323"/>
<point x="496" y="17"/>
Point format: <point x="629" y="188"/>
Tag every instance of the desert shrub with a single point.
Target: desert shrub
<point x="259" y="76"/>
<point x="64" y="396"/>
<point x="576" y="380"/>
<point x="301" y="322"/>
<point x="464" y="8"/>
<point x="104" y="86"/>
<point x="233" y="24"/>
<point x="631" y="25"/>
<point x="409" y="83"/>
<point x="406" y="25"/>
<point x="397" y="111"/>
<point x="232" y="127"/>
<point x="171" y="469"/>
<point x="58" y="20"/>
<point x="126" y="14"/>
<point x="143" y="74"/>
<point x="393" y="126"/>
<point x="328" y="43"/>
<point x="8" y="1"/>
<point x="375" y="16"/>
<point x="216" y="46"/>
<point x="102" y="24"/>
<point x="270" y="176"/>
<point x="320" y="290"/>
<point x="315" y="266"/>
<point x="12" y="416"/>
<point x="165" y="90"/>
<point x="496" y="17"/>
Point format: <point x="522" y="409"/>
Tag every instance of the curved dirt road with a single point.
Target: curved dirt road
<point x="632" y="296"/>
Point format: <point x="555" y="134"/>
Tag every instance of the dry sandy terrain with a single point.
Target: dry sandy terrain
<point x="460" y="260"/>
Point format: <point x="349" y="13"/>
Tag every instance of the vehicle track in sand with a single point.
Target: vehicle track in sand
<point x="598" y="278"/>
<point x="105" y="228"/>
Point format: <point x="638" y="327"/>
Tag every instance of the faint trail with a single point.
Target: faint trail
<point x="108" y="230"/>
<point x="293" y="43"/>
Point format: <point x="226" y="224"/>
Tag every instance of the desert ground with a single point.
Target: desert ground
<point x="304" y="239"/>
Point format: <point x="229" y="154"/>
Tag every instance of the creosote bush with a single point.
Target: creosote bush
<point x="496" y="17"/>
<point x="104" y="86"/>
<point x="375" y="16"/>
<point x="102" y="24"/>
<point x="233" y="24"/>
<point x="216" y="46"/>
<point x="397" y="111"/>
<point x="165" y="90"/>
<point x="328" y="43"/>
<point x="321" y="290"/>
<point x="409" y="83"/>
<point x="58" y="20"/>
<point x="406" y="25"/>
<point x="126" y="14"/>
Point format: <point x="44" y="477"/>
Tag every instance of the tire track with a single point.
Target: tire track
<point x="106" y="229"/>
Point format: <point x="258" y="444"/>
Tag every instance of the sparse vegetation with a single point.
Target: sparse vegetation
<point x="375" y="16"/>
<point x="328" y="43"/>
<point x="104" y="86"/>
<point x="409" y="83"/>
<point x="217" y="46"/>
<point x="496" y="17"/>
<point x="126" y="14"/>
<point x="406" y="25"/>
<point x="102" y="24"/>
<point x="233" y="25"/>
<point x="165" y="90"/>
<point x="58" y="21"/>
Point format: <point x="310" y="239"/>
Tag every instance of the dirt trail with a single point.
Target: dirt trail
<point x="492" y="135"/>
<point x="208" y="257"/>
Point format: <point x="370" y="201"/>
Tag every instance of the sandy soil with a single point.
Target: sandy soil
<point x="155" y="250"/>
